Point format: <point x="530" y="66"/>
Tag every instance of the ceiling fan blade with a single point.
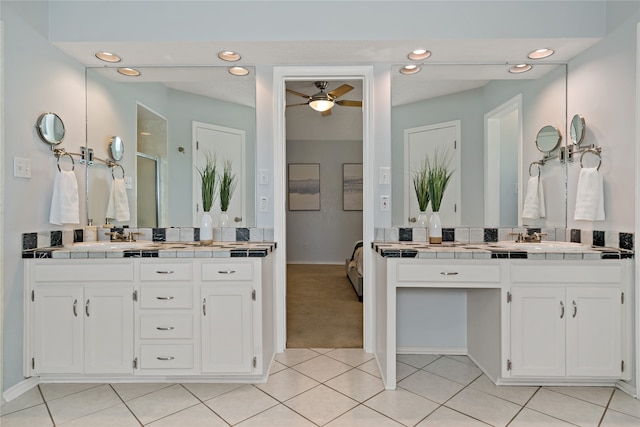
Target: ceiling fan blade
<point x="339" y="91"/>
<point x="326" y="113"/>
<point x="297" y="105"/>
<point x="348" y="103"/>
<point x="302" y="95"/>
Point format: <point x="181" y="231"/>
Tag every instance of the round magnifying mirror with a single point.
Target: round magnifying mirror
<point x="50" y="128"/>
<point x="577" y="129"/>
<point x="116" y="147"/>
<point x="548" y="139"/>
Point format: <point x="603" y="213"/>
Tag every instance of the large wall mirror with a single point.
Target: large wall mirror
<point x="487" y="119"/>
<point x="157" y="115"/>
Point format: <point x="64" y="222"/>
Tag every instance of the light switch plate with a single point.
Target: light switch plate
<point x="384" y="176"/>
<point x="21" y="167"/>
<point x="128" y="183"/>
<point x="384" y="203"/>
<point x="264" y="204"/>
<point x="264" y="177"/>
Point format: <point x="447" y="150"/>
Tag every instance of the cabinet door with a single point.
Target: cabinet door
<point x="58" y="329"/>
<point x="227" y="328"/>
<point x="594" y="346"/>
<point x="538" y="331"/>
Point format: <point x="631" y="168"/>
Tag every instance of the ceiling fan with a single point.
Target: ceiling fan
<point x="324" y="102"/>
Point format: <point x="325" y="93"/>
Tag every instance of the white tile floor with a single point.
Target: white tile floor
<point x="312" y="387"/>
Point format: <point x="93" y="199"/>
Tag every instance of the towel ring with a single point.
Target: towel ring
<point x="534" y="163"/>
<point x="113" y="167"/>
<point x="593" y="151"/>
<point x="73" y="163"/>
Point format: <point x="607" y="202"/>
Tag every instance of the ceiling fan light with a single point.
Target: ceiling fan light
<point x="321" y="104"/>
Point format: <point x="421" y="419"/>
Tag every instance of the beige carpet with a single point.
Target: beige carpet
<point x="323" y="310"/>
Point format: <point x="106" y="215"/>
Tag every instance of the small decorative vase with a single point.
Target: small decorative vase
<point x="206" y="229"/>
<point x="435" y="228"/>
<point x="422" y="220"/>
<point x="224" y="219"/>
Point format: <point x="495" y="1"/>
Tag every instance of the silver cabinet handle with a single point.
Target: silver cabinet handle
<point x="561" y="310"/>
<point x="86" y="307"/>
<point x="575" y="309"/>
<point x="165" y="358"/>
<point x="204" y="307"/>
<point x="75" y="308"/>
<point x="449" y="273"/>
<point x="164" y="271"/>
<point x="165" y="328"/>
<point x="412" y="219"/>
<point x="226" y="271"/>
<point x="165" y="298"/>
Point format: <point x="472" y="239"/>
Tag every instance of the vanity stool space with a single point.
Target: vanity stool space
<point x="529" y="321"/>
<point x="149" y="319"/>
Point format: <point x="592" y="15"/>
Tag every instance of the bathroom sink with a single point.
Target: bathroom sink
<point x="541" y="246"/>
<point x="109" y="246"/>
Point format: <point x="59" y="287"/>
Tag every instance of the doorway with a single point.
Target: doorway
<point x="281" y="76"/>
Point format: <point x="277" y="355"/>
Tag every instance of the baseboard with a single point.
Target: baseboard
<point x="316" y="262"/>
<point x="454" y="351"/>
<point x="628" y="389"/>
<point x="20" y="388"/>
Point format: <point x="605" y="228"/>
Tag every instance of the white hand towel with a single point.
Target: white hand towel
<point x="589" y="196"/>
<point x="118" y="207"/>
<point x="65" y="207"/>
<point x="534" y="207"/>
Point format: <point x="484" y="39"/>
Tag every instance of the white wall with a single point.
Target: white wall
<point x="39" y="79"/>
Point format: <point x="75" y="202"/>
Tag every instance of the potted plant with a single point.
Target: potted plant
<point x="208" y="178"/>
<point x="227" y="187"/>
<point x="421" y="186"/>
<point x="438" y="177"/>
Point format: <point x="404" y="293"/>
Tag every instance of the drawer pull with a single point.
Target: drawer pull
<point x="165" y="328"/>
<point x="86" y="307"/>
<point x="165" y="298"/>
<point x="226" y="271"/>
<point x="561" y="310"/>
<point x="165" y="358"/>
<point x="449" y="273"/>
<point x="164" y="271"/>
<point x="75" y="308"/>
<point x="575" y="309"/>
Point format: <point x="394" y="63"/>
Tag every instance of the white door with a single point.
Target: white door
<point x="225" y="144"/>
<point x="58" y="329"/>
<point x="594" y="346"/>
<point x="538" y="331"/>
<point x="226" y="329"/>
<point x="108" y="329"/>
<point x="424" y="141"/>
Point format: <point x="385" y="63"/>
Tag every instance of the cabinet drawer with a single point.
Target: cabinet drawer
<point x="227" y="272"/>
<point x="580" y="274"/>
<point x="166" y="327"/>
<point x="448" y="273"/>
<point x="85" y="272"/>
<point x="179" y="356"/>
<point x="166" y="297"/>
<point x="165" y="271"/>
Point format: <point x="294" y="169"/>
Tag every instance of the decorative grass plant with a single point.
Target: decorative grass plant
<point x="227" y="186"/>
<point x="438" y="178"/>
<point x="421" y="185"/>
<point x="208" y="175"/>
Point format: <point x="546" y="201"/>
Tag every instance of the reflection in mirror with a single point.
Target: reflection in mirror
<point x="499" y="115"/>
<point x="548" y="139"/>
<point x="180" y="96"/>
<point x="116" y="148"/>
<point x="577" y="129"/>
<point x="50" y="128"/>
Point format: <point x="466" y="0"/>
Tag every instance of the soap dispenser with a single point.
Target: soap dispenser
<point x="90" y="232"/>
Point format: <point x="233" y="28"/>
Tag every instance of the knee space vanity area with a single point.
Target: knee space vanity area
<point x="543" y="318"/>
<point x="140" y="317"/>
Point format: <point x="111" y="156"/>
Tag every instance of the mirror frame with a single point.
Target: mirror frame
<point x="577" y="129"/>
<point x="44" y="131"/>
<point x="116" y="148"/>
<point x="541" y="146"/>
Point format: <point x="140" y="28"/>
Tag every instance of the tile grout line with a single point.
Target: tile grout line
<point x="606" y="408"/>
<point x="125" y="404"/>
<point x="46" y="405"/>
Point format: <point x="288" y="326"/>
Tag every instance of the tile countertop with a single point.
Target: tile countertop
<point x="460" y="250"/>
<point x="160" y="250"/>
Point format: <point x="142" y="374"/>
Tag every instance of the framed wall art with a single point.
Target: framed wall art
<point x="304" y="186"/>
<point x="352" y="186"/>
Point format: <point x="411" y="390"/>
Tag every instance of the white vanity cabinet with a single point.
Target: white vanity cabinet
<point x="568" y="320"/>
<point x="80" y="317"/>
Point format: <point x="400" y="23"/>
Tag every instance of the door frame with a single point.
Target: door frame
<point x="280" y="76"/>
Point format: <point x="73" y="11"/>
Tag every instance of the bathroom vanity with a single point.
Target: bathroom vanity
<point x="197" y="314"/>
<point x="537" y="317"/>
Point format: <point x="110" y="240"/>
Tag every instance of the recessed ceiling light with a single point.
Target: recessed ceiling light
<point x="520" y="68"/>
<point x="409" y="69"/>
<point x="229" y="55"/>
<point x="419" y="54"/>
<point x="131" y="72"/>
<point x="238" y="71"/>
<point x="108" y="57"/>
<point x="541" y="53"/>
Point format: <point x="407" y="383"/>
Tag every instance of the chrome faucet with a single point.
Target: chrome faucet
<point x="525" y="237"/>
<point x="117" y="236"/>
